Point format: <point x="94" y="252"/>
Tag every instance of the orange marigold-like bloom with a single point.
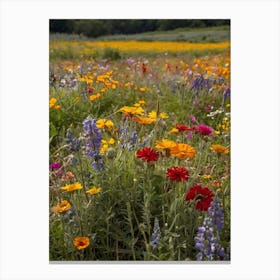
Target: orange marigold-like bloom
<point x="183" y="151"/>
<point x="95" y="96"/>
<point x="81" y="242"/>
<point x="144" y="120"/>
<point x="72" y="187"/>
<point x="64" y="206"/>
<point x="219" y="149"/>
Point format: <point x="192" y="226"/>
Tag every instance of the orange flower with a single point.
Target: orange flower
<point x="64" y="206"/>
<point x="219" y="149"/>
<point x="95" y="96"/>
<point x="183" y="151"/>
<point x="81" y="242"/>
<point x="144" y="120"/>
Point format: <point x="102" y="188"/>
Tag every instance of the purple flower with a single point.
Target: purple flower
<point x="189" y="135"/>
<point x="199" y="83"/>
<point x="156" y="234"/>
<point x="73" y="143"/>
<point x="93" y="143"/>
<point x="216" y="213"/>
<point x="193" y="119"/>
<point x="207" y="240"/>
<point x="55" y="165"/>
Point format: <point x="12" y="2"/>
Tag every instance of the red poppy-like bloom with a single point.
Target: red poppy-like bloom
<point x="147" y="154"/>
<point x="202" y="195"/>
<point x="182" y="127"/>
<point x="177" y="174"/>
<point x="203" y="129"/>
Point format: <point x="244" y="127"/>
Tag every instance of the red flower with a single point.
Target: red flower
<point x="202" y="195"/>
<point x="147" y="154"/>
<point x="182" y="127"/>
<point x="177" y="174"/>
<point x="203" y="129"/>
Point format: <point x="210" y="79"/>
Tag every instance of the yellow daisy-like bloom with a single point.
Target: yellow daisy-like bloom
<point x="153" y="115"/>
<point x="130" y="111"/>
<point x="104" y="123"/>
<point x="165" y="144"/>
<point x="94" y="190"/>
<point x="52" y="102"/>
<point x="174" y="130"/>
<point x="64" y="206"/>
<point x="72" y="187"/>
<point x="219" y="149"/>
<point x="81" y="242"/>
<point x="111" y="141"/>
<point x="104" y="148"/>
<point x="206" y="176"/>
<point x="57" y="107"/>
<point x="95" y="96"/>
<point x="144" y="120"/>
<point x="183" y="151"/>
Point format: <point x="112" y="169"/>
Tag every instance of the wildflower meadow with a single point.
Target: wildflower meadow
<point x="139" y="150"/>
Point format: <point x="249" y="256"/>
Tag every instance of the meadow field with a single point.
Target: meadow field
<point x="139" y="150"/>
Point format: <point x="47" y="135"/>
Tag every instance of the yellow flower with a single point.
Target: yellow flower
<point x="183" y="151"/>
<point x="219" y="149"/>
<point x="52" y="102"/>
<point x="165" y="144"/>
<point x="57" y="107"/>
<point x="81" y="242"/>
<point x="217" y="132"/>
<point x="72" y="187"/>
<point x="104" y="123"/>
<point x="206" y="176"/>
<point x="143" y="89"/>
<point x="130" y="111"/>
<point x="153" y="115"/>
<point x="104" y="148"/>
<point x="94" y="96"/>
<point x="111" y="141"/>
<point x="143" y="120"/>
<point x="94" y="190"/>
<point x="64" y="206"/>
<point x="174" y="130"/>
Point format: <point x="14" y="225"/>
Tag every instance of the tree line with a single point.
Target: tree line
<point x="98" y="27"/>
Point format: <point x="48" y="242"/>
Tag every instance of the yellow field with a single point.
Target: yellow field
<point x="157" y="46"/>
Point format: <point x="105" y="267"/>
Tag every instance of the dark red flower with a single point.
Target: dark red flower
<point x="203" y="129"/>
<point x="177" y="174"/>
<point x="182" y="127"/>
<point x="147" y="154"/>
<point x="202" y="195"/>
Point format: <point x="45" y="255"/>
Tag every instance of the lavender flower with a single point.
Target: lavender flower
<point x="132" y="140"/>
<point x="216" y="213"/>
<point x="199" y="83"/>
<point x="207" y="239"/>
<point x="93" y="143"/>
<point x="156" y="234"/>
<point x="73" y="143"/>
